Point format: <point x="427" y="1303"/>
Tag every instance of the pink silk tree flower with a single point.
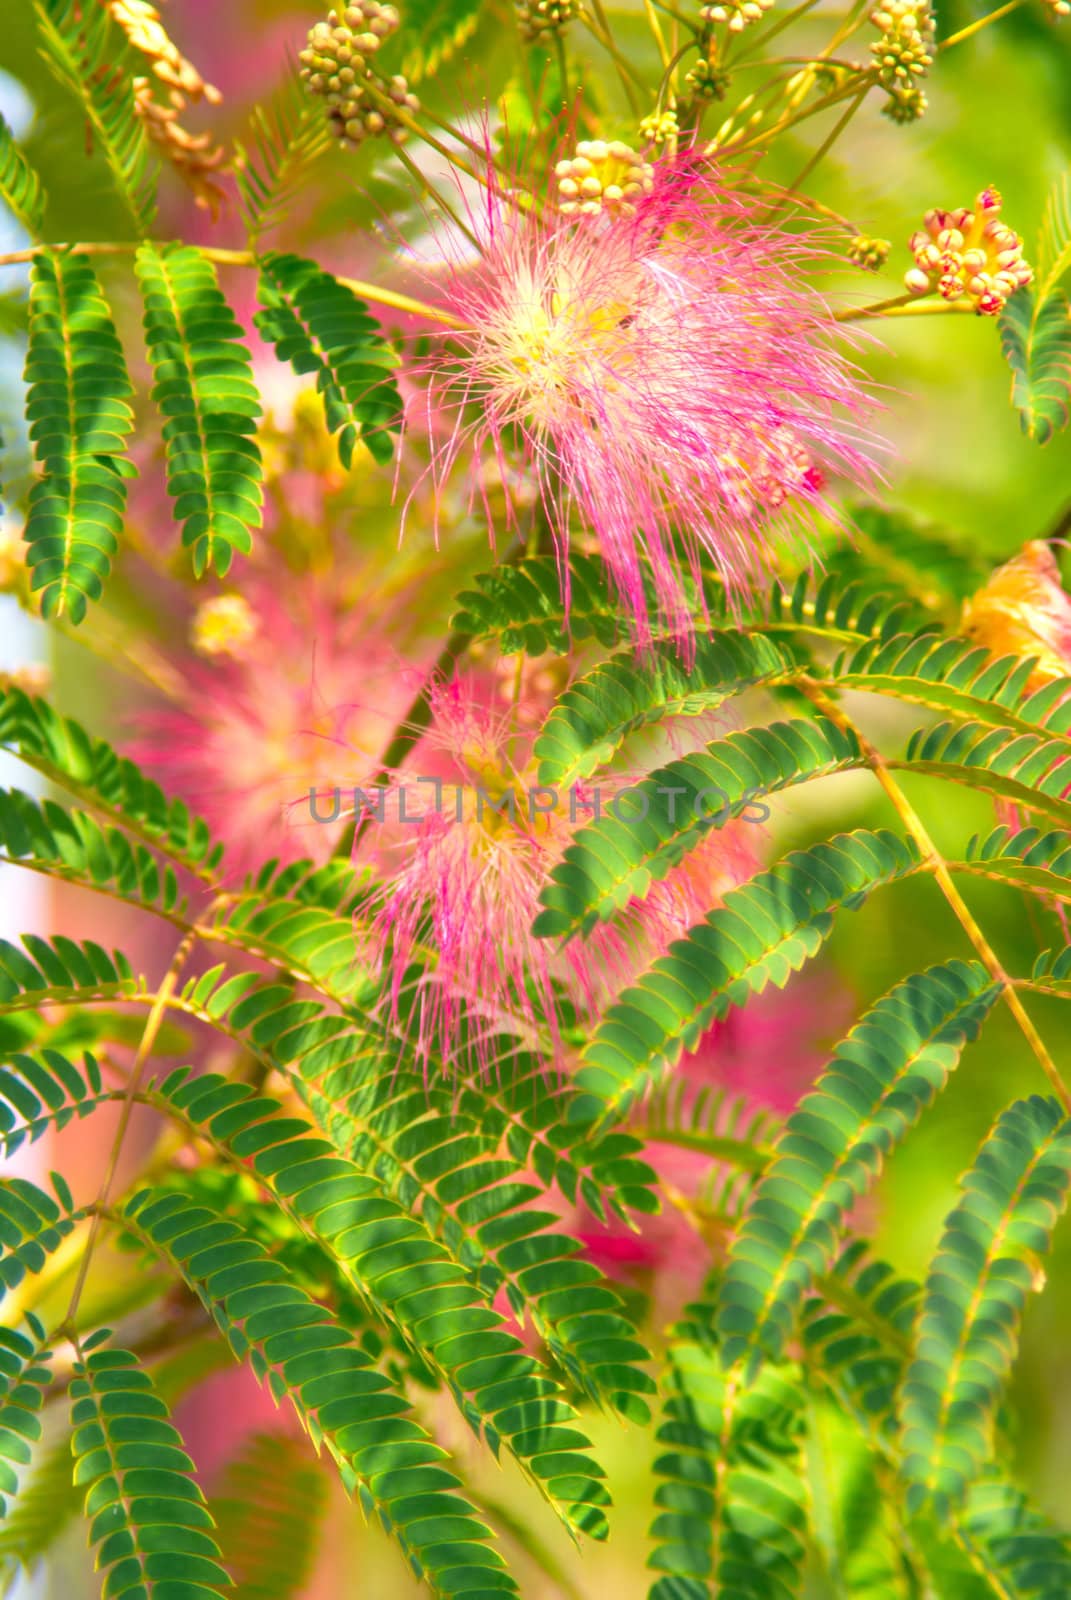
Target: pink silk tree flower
<point x="669" y="372"/>
<point x="461" y="843"/>
<point x="283" y="707"/>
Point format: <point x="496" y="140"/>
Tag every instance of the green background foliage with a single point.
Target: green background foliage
<point x="817" y="1422"/>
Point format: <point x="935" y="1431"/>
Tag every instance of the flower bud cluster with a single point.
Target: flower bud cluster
<point x="903" y="54"/>
<point x="870" y="254"/>
<point x="907" y="34"/>
<point x="196" y="157"/>
<point x="969" y="255"/>
<point x="660" y="127"/>
<point x="140" y="21"/>
<point x="537" y="18"/>
<point x="905" y="105"/>
<point x="337" y="64"/>
<point x="708" y="81"/>
<point x="736" y="13"/>
<point x="602" y="177"/>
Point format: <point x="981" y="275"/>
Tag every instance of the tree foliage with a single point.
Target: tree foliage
<point x="385" y="1225"/>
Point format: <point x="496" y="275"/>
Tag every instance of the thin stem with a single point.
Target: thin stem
<point x="823" y="150"/>
<point x="656" y="31"/>
<point x="719" y="1147"/>
<point x="760" y="40"/>
<point x="480" y="151"/>
<point x="437" y="198"/>
<point x="597" y="25"/>
<point x="678" y="16"/>
<point x="148" y="1038"/>
<point x="247" y="258"/>
<point x="563" y="63"/>
<point x="908" y="306"/>
<point x="982" y="22"/>
<point x="410" y="729"/>
<point x="36" y="1287"/>
<point x="405" y="119"/>
<point x="918" y="831"/>
<point x="670" y="71"/>
<point x="877" y="308"/>
<point x="794" y="118"/>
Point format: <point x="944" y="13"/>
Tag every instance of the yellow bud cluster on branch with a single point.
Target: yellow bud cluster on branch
<point x="196" y="157"/>
<point x="967" y="254"/>
<point x="601" y="177"/>
<point x="141" y="24"/>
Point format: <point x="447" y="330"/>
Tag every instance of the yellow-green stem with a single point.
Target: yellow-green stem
<point x="246" y="258"/>
<point x="148" y="1039"/>
<point x="823" y="150"/>
<point x="919" y="833"/>
<point x="907" y="305"/>
<point x="983" y="22"/>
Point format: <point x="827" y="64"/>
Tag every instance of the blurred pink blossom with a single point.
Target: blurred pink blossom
<point x="462" y="877"/>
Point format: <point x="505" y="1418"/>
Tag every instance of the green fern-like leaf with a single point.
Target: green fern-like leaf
<point x="91" y="769"/>
<point x="41" y="972"/>
<point x="650" y="828"/>
<point x="73" y="846"/>
<point x="149" y="1522"/>
<point x="404" y="1275"/>
<point x="986" y="1265"/>
<point x="286" y="135"/>
<point x="732" y="1501"/>
<point x="20" y="187"/>
<point x="32" y="1225"/>
<point x="881" y="1078"/>
<point x="857" y="1338"/>
<point x="38" y="1093"/>
<point x="466" y="1147"/>
<point x="25" y="1375"/>
<point x="1015" y="1547"/>
<point x="1054" y="242"/>
<point x="204" y="389"/>
<point x="445" y="26"/>
<point x="1028" y="769"/>
<point x="319" y="326"/>
<point x="47" y="1503"/>
<point x="1036" y="339"/>
<point x="304" y="1356"/>
<point x="597" y="713"/>
<point x="88" y="56"/>
<point x="765" y="931"/>
<point x="956" y="678"/>
<point x="857" y="1530"/>
<point x="269" y="1510"/>
<point x="521" y="606"/>
<point x="80" y="417"/>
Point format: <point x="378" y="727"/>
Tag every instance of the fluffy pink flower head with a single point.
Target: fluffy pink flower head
<point x="461" y="844"/>
<point x="670" y="372"/>
<point x="307" y="701"/>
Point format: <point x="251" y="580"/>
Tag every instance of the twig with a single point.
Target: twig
<point x="246" y="258"/>
<point x="148" y="1039"/>
<point x="917" y="830"/>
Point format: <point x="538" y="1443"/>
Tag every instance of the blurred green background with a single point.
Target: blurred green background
<point x="1000" y="114"/>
